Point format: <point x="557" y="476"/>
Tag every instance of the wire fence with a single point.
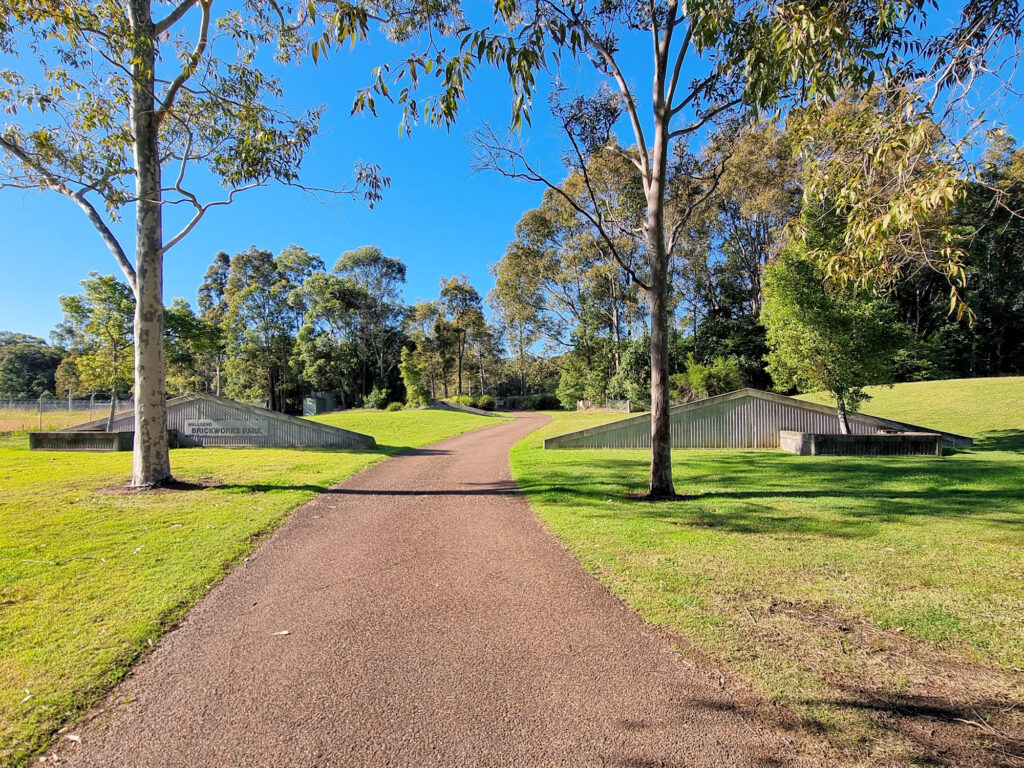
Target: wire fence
<point x="25" y="414"/>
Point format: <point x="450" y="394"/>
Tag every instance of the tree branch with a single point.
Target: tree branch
<point x="190" y="65"/>
<point x="708" y="117"/>
<point x="9" y="144"/>
<point x="174" y="16"/>
<point x="494" y="148"/>
<point x="624" y="89"/>
<point x="680" y="58"/>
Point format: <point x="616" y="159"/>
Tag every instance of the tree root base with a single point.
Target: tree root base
<point x="659" y="497"/>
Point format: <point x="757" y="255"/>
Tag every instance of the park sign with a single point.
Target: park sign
<point x="224" y="428"/>
<point x="210" y="421"/>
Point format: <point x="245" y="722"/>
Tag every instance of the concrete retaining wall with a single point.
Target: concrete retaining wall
<point x="87" y="441"/>
<point x="882" y="444"/>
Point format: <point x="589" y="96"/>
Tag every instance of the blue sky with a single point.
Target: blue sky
<point x="438" y="216"/>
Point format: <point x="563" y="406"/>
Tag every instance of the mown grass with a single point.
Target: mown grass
<point x="89" y="578"/>
<point x="404" y="429"/>
<point x="847" y="590"/>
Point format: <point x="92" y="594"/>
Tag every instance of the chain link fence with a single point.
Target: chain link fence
<point x="24" y="414"/>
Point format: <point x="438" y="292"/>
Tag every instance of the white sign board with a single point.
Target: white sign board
<point x="220" y="428"/>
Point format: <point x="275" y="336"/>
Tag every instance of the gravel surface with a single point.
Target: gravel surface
<point x="419" y="615"/>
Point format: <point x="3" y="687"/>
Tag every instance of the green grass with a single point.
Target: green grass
<point x="839" y="587"/>
<point x="406" y="428"/>
<point x="89" y="578"/>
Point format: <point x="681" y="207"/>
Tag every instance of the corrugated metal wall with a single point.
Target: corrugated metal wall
<point x="280" y="430"/>
<point x="738" y="422"/>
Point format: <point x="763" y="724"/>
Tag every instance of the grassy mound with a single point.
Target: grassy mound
<point x="985" y="409"/>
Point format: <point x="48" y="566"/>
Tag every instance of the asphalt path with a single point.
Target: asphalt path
<point x="419" y="615"/>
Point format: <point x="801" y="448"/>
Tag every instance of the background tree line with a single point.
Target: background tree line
<point x="566" y="292"/>
<point x="272" y="328"/>
<point x="566" y="315"/>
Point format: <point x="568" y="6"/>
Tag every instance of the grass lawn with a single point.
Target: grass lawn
<point x="90" y="578"/>
<point x="876" y="601"/>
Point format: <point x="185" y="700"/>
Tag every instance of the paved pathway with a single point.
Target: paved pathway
<point x="431" y="621"/>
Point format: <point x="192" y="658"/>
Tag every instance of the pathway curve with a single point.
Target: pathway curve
<point x="431" y="621"/>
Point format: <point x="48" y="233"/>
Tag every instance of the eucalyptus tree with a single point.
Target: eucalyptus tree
<point x="28" y="368"/>
<point x="460" y="307"/>
<point x="416" y="393"/>
<point x="757" y="196"/>
<point x="190" y="344"/>
<point x="703" y="61"/>
<point x="424" y="326"/>
<point x="98" y="331"/>
<point x="129" y="105"/>
<point x="895" y="160"/>
<point x="327" y="351"/>
<point x="213" y="309"/>
<point x="559" y="269"/>
<point x="265" y="311"/>
<point x="825" y="336"/>
<point x="381" y="313"/>
<point x="519" y="322"/>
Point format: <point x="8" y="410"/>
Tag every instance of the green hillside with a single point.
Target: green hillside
<point x="985" y="409"/>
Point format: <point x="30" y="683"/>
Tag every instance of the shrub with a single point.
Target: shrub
<point x="463" y="400"/>
<point x="392" y="407"/>
<point x="544" y="401"/>
<point x="721" y="375"/>
<point x="485" y="403"/>
<point x="416" y="393"/>
<point x="632" y="381"/>
<point x="377" y="398"/>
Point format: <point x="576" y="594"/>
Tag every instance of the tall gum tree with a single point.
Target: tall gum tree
<point x="703" y="60"/>
<point x="122" y="105"/>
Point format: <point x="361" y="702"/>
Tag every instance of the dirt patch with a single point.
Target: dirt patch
<point x="930" y="706"/>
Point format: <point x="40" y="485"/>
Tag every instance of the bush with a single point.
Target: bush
<point x="544" y="401"/>
<point x="463" y="400"/>
<point x="416" y="393"/>
<point x="485" y="403"/>
<point x="721" y="375"/>
<point x="392" y="407"/>
<point x="377" y="398"/>
<point x="632" y="381"/>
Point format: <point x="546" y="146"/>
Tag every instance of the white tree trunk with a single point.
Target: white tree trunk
<point x="151" y="463"/>
<point x="661" y="485"/>
<point x="844" y="418"/>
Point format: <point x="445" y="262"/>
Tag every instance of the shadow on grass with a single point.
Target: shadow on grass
<point x="937" y="730"/>
<point x="1001" y="440"/>
<point x="771" y="492"/>
<point x="501" y="488"/>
